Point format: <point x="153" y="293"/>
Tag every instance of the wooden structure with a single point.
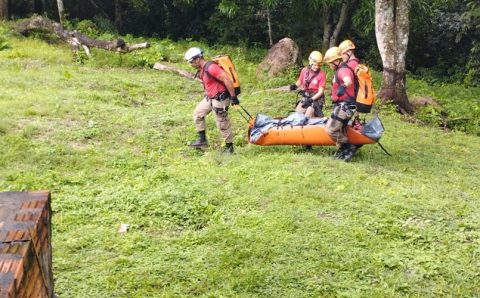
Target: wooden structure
<point x="25" y="245"/>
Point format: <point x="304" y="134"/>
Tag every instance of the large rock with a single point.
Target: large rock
<point x="282" y="55"/>
<point x="423" y="101"/>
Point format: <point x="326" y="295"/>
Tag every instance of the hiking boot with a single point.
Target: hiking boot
<point x="228" y="148"/>
<point x="348" y="153"/>
<point x="339" y="153"/>
<point x="198" y="144"/>
<point x="201" y="142"/>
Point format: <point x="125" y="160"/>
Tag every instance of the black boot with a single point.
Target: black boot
<point x="228" y="148"/>
<point x="201" y="142"/>
<point x="339" y="153"/>
<point x="348" y="153"/>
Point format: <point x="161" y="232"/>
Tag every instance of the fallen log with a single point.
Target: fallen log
<point x="284" y="89"/>
<point x="180" y="72"/>
<point x="74" y="38"/>
<point x="278" y="89"/>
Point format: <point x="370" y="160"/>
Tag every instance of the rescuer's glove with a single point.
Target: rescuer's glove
<point x="341" y="90"/>
<point x="234" y="100"/>
<point x="307" y="102"/>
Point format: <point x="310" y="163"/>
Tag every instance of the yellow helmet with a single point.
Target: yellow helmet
<point x="315" y="58"/>
<point x="332" y="54"/>
<point x="346" y="45"/>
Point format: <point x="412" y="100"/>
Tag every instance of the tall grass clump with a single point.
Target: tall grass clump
<point x="4" y="36"/>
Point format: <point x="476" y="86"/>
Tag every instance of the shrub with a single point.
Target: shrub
<point x="4" y="32"/>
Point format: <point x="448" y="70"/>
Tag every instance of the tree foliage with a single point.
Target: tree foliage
<point x="438" y="28"/>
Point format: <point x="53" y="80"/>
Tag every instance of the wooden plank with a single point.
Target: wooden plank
<point x="25" y="244"/>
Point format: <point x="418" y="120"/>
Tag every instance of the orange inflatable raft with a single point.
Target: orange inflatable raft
<point x="265" y="131"/>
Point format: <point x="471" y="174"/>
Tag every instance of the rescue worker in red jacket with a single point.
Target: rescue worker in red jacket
<point x="219" y="94"/>
<point x="347" y="48"/>
<point x="313" y="81"/>
<point x="343" y="104"/>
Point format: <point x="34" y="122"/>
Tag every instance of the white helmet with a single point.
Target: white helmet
<point x="193" y="53"/>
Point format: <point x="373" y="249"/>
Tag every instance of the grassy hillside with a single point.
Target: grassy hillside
<point x="110" y="144"/>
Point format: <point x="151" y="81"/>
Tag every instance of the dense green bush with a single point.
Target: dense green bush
<point x="459" y="107"/>
<point x="473" y="66"/>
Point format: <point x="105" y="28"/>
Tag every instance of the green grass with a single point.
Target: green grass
<point x="110" y="144"/>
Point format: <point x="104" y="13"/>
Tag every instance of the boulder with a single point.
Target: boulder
<point x="421" y="101"/>
<point x="282" y="55"/>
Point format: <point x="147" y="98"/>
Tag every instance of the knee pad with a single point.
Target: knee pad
<point x="220" y="111"/>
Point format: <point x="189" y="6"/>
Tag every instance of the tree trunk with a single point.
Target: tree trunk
<point x="118" y="16"/>
<point x="99" y="9"/>
<point x="327" y="27"/>
<point x="392" y="30"/>
<point x="330" y="39"/>
<point x="61" y="11"/>
<point x="341" y="21"/>
<point x="269" y="27"/>
<point x="3" y="9"/>
<point x="44" y="6"/>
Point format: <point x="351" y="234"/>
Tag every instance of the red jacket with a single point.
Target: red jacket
<point x="338" y="79"/>
<point x="312" y="81"/>
<point x="211" y="85"/>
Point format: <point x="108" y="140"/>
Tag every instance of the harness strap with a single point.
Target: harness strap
<point x="355" y="80"/>
<point x="307" y="80"/>
<point x="344" y="121"/>
<point x="220" y="94"/>
<point x="220" y="110"/>
<point x="205" y="70"/>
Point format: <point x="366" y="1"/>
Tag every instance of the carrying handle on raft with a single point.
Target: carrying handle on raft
<point x="243" y="115"/>
<point x="383" y="148"/>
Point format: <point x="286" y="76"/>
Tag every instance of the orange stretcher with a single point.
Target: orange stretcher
<point x="306" y="135"/>
<point x="295" y="130"/>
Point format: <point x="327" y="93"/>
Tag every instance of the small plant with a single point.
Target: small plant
<point x="4" y="36"/>
<point x="87" y="27"/>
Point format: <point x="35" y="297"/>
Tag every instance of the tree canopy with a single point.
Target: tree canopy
<point x="443" y="43"/>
